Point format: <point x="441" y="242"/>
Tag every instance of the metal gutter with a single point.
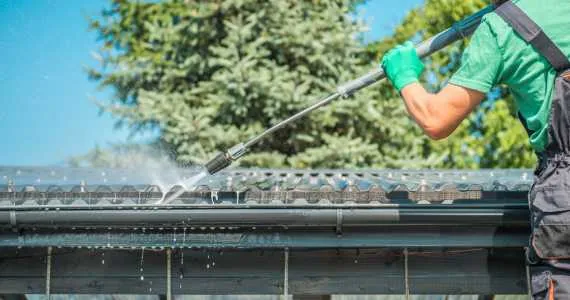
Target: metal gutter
<point x="511" y="215"/>
<point x="277" y="238"/>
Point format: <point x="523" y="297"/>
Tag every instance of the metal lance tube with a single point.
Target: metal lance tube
<point x="458" y="31"/>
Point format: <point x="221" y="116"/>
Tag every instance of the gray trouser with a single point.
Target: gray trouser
<point x="549" y="254"/>
<point x="550" y="280"/>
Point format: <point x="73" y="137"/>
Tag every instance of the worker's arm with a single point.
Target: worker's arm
<point x="438" y="114"/>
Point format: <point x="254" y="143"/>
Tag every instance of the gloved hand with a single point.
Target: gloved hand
<point x="402" y="65"/>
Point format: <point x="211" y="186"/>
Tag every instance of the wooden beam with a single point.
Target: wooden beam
<point x="311" y="272"/>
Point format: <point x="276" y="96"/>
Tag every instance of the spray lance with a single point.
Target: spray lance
<point x="458" y="31"/>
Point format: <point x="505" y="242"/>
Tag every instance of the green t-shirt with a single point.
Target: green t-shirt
<point x="497" y="55"/>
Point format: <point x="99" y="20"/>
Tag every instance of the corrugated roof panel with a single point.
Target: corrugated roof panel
<point x="85" y="186"/>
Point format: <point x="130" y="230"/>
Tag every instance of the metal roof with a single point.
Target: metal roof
<point x="87" y="186"/>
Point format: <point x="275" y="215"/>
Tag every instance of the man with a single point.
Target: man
<point x="524" y="44"/>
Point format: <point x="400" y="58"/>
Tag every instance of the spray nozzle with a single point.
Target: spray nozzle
<point x="223" y="160"/>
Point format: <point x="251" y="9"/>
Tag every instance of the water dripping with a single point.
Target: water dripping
<point x="103" y="258"/>
<point x="174" y="236"/>
<point x="211" y="263"/>
<point x="142" y="264"/>
<point x="357" y="255"/>
<point x="181" y="276"/>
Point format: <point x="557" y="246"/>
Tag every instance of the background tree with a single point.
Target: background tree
<point x="210" y="74"/>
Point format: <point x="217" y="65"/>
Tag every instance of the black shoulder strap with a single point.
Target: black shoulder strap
<point x="533" y="34"/>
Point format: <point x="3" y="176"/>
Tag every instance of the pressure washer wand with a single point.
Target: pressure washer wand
<point x="458" y="31"/>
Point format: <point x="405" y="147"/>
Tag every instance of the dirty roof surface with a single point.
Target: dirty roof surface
<point x="91" y="186"/>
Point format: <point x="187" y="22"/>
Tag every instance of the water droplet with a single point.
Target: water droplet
<point x="213" y="263"/>
<point x="207" y="266"/>
<point x="356" y="261"/>
<point x="142" y="264"/>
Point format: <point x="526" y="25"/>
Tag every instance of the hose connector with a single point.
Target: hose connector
<point x="224" y="160"/>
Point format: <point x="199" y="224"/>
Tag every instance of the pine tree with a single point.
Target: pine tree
<point x="210" y="74"/>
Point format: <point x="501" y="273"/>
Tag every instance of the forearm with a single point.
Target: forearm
<point x="439" y="114"/>
<point x="420" y="105"/>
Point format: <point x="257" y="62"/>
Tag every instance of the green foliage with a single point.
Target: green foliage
<point x="210" y="74"/>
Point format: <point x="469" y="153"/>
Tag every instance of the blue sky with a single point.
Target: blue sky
<point x="46" y="114"/>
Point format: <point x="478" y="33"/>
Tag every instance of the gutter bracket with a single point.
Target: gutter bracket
<point x="339" y="222"/>
<point x="13" y="222"/>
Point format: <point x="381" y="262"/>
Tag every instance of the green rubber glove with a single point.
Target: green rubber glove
<point x="402" y="65"/>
